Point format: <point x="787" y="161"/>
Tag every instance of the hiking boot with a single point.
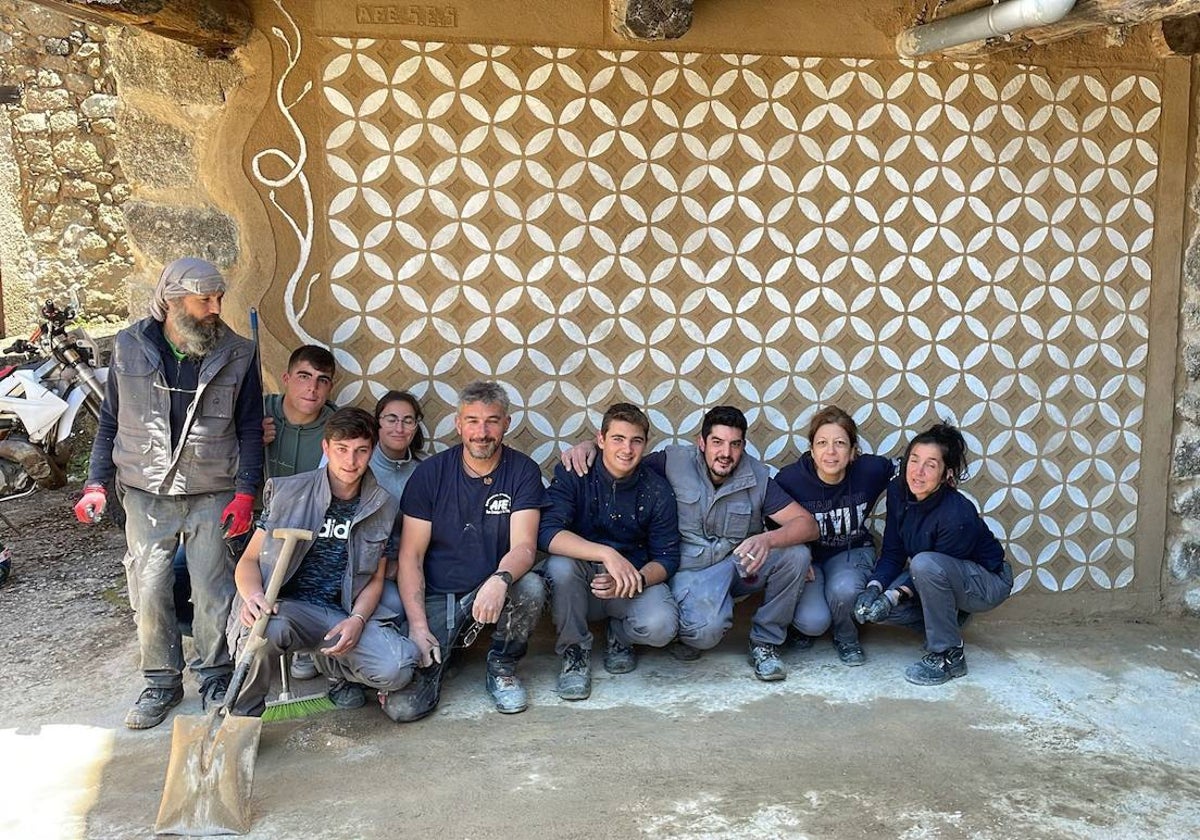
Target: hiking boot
<point x="304" y="667"/>
<point x="797" y="640"/>
<point x="937" y="668"/>
<point x="684" y="652"/>
<point x="618" y="658"/>
<point x="505" y="689"/>
<point x="575" y="678"/>
<point x="152" y="706"/>
<point x="346" y="694"/>
<point x="416" y="700"/>
<point x="768" y="667"/>
<point x="212" y="691"/>
<point x="851" y="653"/>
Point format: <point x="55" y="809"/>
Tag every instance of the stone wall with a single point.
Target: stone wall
<point x="63" y="187"/>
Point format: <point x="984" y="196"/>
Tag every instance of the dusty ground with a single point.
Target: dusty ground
<point x="1081" y="731"/>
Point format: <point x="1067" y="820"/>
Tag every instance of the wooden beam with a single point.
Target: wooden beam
<point x="652" y="20"/>
<point x="1087" y="16"/>
<point x="216" y="27"/>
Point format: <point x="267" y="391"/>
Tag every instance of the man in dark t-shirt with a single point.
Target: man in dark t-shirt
<point x="467" y="543"/>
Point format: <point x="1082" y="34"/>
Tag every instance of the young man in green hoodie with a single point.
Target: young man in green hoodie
<point x="294" y="421"/>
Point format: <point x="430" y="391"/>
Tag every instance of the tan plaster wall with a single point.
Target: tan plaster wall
<point x="779" y="231"/>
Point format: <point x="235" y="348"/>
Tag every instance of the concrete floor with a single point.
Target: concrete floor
<point x="1059" y="731"/>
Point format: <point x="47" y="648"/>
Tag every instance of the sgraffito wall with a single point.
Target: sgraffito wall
<point x="908" y="240"/>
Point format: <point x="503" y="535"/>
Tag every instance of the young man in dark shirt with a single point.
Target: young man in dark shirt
<point x="613" y="539"/>
<point x="329" y="599"/>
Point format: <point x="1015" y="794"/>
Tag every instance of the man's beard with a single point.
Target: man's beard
<point x="196" y="338"/>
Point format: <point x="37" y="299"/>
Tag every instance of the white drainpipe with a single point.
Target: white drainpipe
<point x="995" y="21"/>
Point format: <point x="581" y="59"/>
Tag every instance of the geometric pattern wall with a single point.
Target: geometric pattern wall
<point x="908" y="240"/>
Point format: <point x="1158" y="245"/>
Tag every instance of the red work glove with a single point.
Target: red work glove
<point x="236" y="517"/>
<point x="91" y="504"/>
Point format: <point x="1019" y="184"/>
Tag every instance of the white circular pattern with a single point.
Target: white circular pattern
<point x="911" y="241"/>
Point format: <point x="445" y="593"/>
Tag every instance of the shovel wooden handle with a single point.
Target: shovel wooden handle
<point x="257" y="637"/>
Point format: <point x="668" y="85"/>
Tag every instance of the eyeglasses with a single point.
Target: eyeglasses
<point x="408" y="422"/>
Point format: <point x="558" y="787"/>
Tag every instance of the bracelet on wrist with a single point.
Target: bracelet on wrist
<point x="359" y="616"/>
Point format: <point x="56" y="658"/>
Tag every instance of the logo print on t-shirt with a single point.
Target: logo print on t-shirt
<point x="499" y="504"/>
<point x="338" y="529"/>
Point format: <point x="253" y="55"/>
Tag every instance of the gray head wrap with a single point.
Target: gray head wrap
<point x="188" y="276"/>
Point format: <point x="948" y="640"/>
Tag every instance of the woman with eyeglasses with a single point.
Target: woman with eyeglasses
<point x="401" y="440"/>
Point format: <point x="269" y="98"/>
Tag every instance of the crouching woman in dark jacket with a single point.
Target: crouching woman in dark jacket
<point x="939" y="560"/>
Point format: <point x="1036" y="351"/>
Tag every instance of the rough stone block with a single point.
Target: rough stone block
<point x="92" y="246"/>
<point x="165" y="233"/>
<point x="99" y="106"/>
<point x="5" y="42"/>
<point x="37" y="99"/>
<point x="31" y="123"/>
<point x="66" y="215"/>
<point x="1187" y="503"/>
<point x="110" y="219"/>
<point x="1185" y="559"/>
<point x="63" y="122"/>
<point x="80" y="84"/>
<point x="88" y="49"/>
<point x="57" y="46"/>
<point x="77" y="154"/>
<point x="1191" y="362"/>
<point x="153" y="152"/>
<point x="1191" y="315"/>
<point x="1188" y="407"/>
<point x="48" y="79"/>
<point x="104" y="127"/>
<point x="173" y="70"/>
<point x="77" y="188"/>
<point x="45" y="189"/>
<point x="1187" y="458"/>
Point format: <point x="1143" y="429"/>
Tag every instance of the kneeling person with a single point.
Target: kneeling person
<point x="327" y="604"/>
<point x="613" y="539"/>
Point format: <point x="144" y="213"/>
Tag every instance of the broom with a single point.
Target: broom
<point x="286" y="707"/>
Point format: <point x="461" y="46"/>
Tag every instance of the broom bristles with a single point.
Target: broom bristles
<point x="301" y="707"/>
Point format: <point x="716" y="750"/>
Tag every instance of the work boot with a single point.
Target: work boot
<point x="416" y="700"/>
<point x="768" y="667"/>
<point x="502" y="684"/>
<point x="152" y="706"/>
<point x="346" y="695"/>
<point x="618" y="658"/>
<point x="575" y="678"/>
<point x="850" y="653"/>
<point x="303" y="667"/>
<point x="212" y="691"/>
<point x="937" y="668"/>
<point x="683" y="651"/>
<point x="797" y="640"/>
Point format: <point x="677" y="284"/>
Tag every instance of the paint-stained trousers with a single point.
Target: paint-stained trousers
<point x="650" y="618"/>
<point x="706" y="597"/>
<point x="383" y="659"/>
<point x="154" y="525"/>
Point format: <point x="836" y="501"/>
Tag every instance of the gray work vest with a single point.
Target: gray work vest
<point x="713" y="520"/>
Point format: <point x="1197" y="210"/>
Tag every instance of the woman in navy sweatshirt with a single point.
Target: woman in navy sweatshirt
<point x="839" y="486"/>
<point x="939" y="558"/>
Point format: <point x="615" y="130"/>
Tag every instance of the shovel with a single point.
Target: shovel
<point x="211" y="769"/>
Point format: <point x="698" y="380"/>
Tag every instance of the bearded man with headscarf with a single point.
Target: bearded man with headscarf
<point x="180" y="442"/>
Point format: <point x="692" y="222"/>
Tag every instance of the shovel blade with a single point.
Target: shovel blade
<point x="209" y="776"/>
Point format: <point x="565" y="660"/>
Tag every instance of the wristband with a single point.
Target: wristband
<point x="642" y="575"/>
<point x="359" y="617"/>
<point x="94" y="488"/>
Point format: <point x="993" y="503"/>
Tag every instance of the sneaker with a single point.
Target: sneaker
<point x="346" y="694"/>
<point x="575" y="678"/>
<point x="212" y="691"/>
<point x="684" y="652"/>
<point x="851" y="653"/>
<point x="5" y="563"/>
<point x="618" y="658"/>
<point x="416" y="700"/>
<point x="152" y="706"/>
<point x="937" y="668"/>
<point x="303" y="667"/>
<point x="768" y="667"/>
<point x="504" y="687"/>
<point x="799" y="641"/>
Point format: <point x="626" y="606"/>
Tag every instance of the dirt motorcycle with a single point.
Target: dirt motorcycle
<point x="41" y="400"/>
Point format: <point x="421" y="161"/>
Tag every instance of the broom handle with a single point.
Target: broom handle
<point x="262" y="381"/>
<point x="258" y="631"/>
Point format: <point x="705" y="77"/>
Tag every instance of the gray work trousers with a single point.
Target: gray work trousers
<point x="649" y="618"/>
<point x="829" y="597"/>
<point x="383" y="659"/>
<point x="154" y="525"/>
<point x="706" y="596"/>
<point x="448" y="614"/>
<point x="944" y="586"/>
